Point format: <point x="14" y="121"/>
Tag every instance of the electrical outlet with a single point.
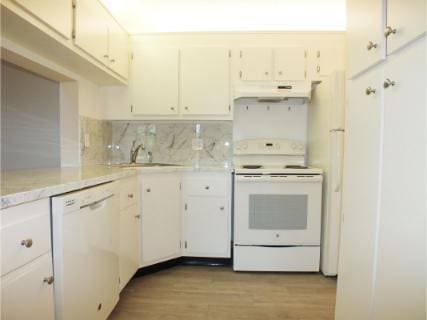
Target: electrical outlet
<point x="87" y="140"/>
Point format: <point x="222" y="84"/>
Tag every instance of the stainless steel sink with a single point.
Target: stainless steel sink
<point x="146" y="165"/>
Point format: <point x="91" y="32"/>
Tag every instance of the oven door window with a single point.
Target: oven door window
<point x="278" y="212"/>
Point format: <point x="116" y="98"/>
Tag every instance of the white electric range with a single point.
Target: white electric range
<point x="277" y="207"/>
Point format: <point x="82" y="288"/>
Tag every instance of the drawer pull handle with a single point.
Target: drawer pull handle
<point x="27" y="243"/>
<point x="370" y="91"/>
<point x="388" y="83"/>
<point x="148" y="190"/>
<point x="138" y="216"/>
<point x="48" y="280"/>
<point x="207" y="187"/>
<point x="130" y="195"/>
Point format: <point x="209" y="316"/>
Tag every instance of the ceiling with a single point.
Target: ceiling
<point x="148" y="16"/>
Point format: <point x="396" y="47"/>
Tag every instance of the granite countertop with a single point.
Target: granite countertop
<point x="29" y="185"/>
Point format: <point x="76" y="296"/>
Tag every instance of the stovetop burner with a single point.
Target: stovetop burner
<point x="251" y="166"/>
<point x="295" y="167"/>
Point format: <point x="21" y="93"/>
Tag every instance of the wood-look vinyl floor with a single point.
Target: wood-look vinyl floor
<point x="218" y="293"/>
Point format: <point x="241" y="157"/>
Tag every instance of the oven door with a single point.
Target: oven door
<point x="277" y="210"/>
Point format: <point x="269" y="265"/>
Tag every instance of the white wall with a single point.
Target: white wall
<point x="30" y="125"/>
<point x="144" y="16"/>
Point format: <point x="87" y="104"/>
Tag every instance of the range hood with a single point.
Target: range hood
<point x="299" y="90"/>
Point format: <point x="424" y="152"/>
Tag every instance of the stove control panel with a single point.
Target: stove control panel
<point x="269" y="147"/>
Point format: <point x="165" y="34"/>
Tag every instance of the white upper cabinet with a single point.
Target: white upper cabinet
<point x="205" y="81"/>
<point x="57" y="14"/>
<point x="365" y="34"/>
<point x="406" y="20"/>
<point x="91" y="29"/>
<point x="118" y="49"/>
<point x="154" y="81"/>
<point x="289" y="63"/>
<point x="323" y="61"/>
<point x="256" y="64"/>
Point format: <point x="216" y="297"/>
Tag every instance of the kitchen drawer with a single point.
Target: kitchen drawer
<point x="25" y="233"/>
<point x="129" y="194"/>
<point x="26" y="292"/>
<point x="206" y="187"/>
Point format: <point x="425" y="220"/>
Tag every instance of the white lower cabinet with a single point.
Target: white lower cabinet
<point x="161" y="217"/>
<point x="27" y="293"/>
<point x="27" y="275"/>
<point x="129" y="244"/>
<point x="130" y="229"/>
<point x="207" y="215"/>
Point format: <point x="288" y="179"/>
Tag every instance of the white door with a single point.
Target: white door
<point x="206" y="229"/>
<point x="118" y="49"/>
<point x="161" y="217"/>
<point x="129" y="244"/>
<point x="363" y="140"/>
<point x="399" y="288"/>
<point x="25" y="295"/>
<point x="91" y="26"/>
<point x="365" y="34"/>
<point x="205" y="81"/>
<point x="56" y="14"/>
<point x="277" y="211"/>
<point x="407" y="19"/>
<point x="154" y="81"/>
<point x="289" y="63"/>
<point x="256" y="64"/>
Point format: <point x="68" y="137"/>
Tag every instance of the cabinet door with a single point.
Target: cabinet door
<point x="408" y="18"/>
<point x="206" y="227"/>
<point x="129" y="244"/>
<point x="399" y="288"/>
<point x="161" y="217"/>
<point x="289" y="63"/>
<point x="323" y="61"/>
<point x="56" y="14"/>
<point x="154" y="81"/>
<point x="24" y="293"/>
<point x="91" y="27"/>
<point x="205" y="81"/>
<point x="118" y="49"/>
<point x="365" y="25"/>
<point x="255" y="64"/>
<point x="363" y="140"/>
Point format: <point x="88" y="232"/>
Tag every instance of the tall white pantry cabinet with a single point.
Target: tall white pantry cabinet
<point x="382" y="271"/>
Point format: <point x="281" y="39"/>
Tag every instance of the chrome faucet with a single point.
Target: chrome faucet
<point x="134" y="150"/>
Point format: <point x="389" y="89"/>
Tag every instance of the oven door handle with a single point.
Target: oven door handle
<point x="280" y="179"/>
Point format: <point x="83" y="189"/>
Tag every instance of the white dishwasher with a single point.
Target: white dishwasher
<point x="85" y="227"/>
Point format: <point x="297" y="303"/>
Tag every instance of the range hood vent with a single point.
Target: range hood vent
<point x="299" y="90"/>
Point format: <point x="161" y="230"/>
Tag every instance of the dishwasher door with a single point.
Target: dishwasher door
<point x="85" y="242"/>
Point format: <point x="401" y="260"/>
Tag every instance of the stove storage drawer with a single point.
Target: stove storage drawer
<point x="207" y="186"/>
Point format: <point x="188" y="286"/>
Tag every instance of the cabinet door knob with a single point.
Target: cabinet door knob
<point x="48" y="280"/>
<point x="388" y="83"/>
<point x="370" y="90"/>
<point x="130" y="195"/>
<point x="186" y="108"/>
<point x="389" y="31"/>
<point x="371" y="45"/>
<point x="105" y="55"/>
<point x="113" y="60"/>
<point x="266" y="73"/>
<point x="27" y="243"/>
<point x="207" y="187"/>
<point x="138" y="216"/>
<point x="148" y="190"/>
<point x="280" y="73"/>
<point x="221" y="208"/>
<point x="172" y="108"/>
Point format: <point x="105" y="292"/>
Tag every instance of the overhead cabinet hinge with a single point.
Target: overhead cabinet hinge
<point x="185" y="207"/>
<point x="185" y="244"/>
<point x="229" y="108"/>
<point x="73" y="34"/>
<point x="131" y="109"/>
<point x="305" y="54"/>
<point x="229" y="53"/>
<point x="241" y="54"/>
<point x="240" y="74"/>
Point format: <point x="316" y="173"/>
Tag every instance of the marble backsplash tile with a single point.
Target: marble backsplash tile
<point x="100" y="137"/>
<point x="171" y="142"/>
